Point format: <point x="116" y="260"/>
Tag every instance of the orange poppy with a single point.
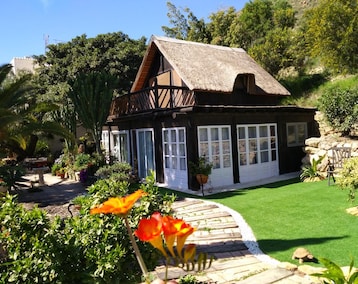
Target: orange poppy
<point x="118" y="205"/>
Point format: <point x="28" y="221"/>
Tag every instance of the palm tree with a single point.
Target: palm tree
<point x="22" y="117"/>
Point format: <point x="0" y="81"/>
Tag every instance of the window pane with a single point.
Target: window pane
<point x="174" y="163"/>
<point x="182" y="164"/>
<point x="203" y="134"/>
<point x="174" y="150"/>
<point x="167" y="162"/>
<point x="252" y="158"/>
<point x="226" y="147"/>
<point x="252" y="131"/>
<point x="263" y="131"/>
<point x="301" y="133"/>
<point x="252" y="145"/>
<point x="173" y="136"/>
<point x="264" y="157"/>
<point x="243" y="161"/>
<point x="214" y="134"/>
<point x="273" y="155"/>
<point x="215" y="150"/>
<point x="216" y="162"/>
<point x="263" y="144"/>
<point x="181" y="149"/>
<point x="225" y="133"/>
<point x="165" y="136"/>
<point x="242" y="146"/>
<point x="204" y="149"/>
<point x="273" y="143"/>
<point x="166" y="149"/>
<point x="241" y="133"/>
<point x="227" y="161"/>
<point x="272" y="130"/>
<point x="181" y="135"/>
<point x="291" y="136"/>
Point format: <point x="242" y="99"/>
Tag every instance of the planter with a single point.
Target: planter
<point x="202" y="179"/>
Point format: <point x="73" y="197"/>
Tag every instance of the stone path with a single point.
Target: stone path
<point x="219" y="234"/>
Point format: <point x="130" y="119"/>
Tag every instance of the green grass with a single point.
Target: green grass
<point x="290" y="214"/>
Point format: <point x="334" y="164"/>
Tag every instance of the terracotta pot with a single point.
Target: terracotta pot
<point x="202" y="179"/>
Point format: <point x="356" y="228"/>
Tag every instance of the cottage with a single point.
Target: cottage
<point x="192" y="99"/>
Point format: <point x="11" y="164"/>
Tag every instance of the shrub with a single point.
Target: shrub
<point x="339" y="104"/>
<point x="348" y="177"/>
<point x="310" y="172"/>
<point x="117" y="171"/>
<point x="83" y="249"/>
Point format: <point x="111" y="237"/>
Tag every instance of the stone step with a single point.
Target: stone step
<point x="268" y="276"/>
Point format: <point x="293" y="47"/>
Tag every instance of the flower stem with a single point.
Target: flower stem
<point x="136" y="250"/>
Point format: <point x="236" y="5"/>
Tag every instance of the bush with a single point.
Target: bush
<point x="348" y="177"/>
<point x="339" y="104"/>
<point x="118" y="172"/>
<point x="83" y="249"/>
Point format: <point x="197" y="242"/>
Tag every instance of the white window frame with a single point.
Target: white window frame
<point x="114" y="153"/>
<point x="271" y="148"/>
<point x="223" y="157"/>
<point x="171" y="149"/>
<point x="297" y="140"/>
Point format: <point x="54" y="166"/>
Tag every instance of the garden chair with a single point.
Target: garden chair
<point x="336" y="161"/>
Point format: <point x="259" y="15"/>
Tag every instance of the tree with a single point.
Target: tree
<point x="113" y="53"/>
<point x="92" y="95"/>
<point x="279" y="50"/>
<point x="331" y="31"/>
<point x="21" y="116"/>
<point x="186" y="25"/>
<point x="339" y="104"/>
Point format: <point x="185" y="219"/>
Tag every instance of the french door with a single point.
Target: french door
<point x="257" y="145"/>
<point x="174" y="155"/>
<point x="215" y="145"/>
<point x="145" y="151"/>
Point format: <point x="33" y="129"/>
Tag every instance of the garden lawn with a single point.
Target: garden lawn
<point x="291" y="214"/>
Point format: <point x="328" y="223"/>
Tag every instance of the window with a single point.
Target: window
<point x="256" y="144"/>
<point x="121" y="146"/>
<point x="215" y="145"/>
<point x="174" y="148"/>
<point x="296" y="134"/>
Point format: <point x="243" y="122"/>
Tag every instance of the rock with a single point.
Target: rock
<point x="353" y="210"/>
<point x="313" y="142"/>
<point x="288" y="266"/>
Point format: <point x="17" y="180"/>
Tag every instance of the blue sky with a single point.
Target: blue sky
<point x="25" y="24"/>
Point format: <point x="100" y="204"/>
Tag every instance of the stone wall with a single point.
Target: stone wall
<point x="320" y="146"/>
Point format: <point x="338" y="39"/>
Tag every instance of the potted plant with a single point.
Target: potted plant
<point x="201" y="169"/>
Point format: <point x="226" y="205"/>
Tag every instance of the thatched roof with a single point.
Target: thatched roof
<point x="205" y="67"/>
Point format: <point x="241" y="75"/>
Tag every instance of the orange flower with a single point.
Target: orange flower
<point x="150" y="230"/>
<point x="189" y="253"/>
<point x="118" y="205"/>
<point x="185" y="231"/>
<point x="171" y="228"/>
